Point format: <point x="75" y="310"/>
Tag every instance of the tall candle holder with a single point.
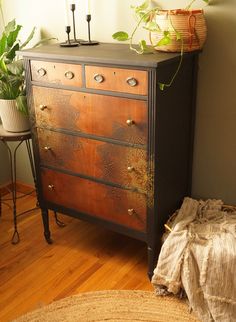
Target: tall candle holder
<point x="72" y="8"/>
<point x="68" y="42"/>
<point x="88" y="42"/>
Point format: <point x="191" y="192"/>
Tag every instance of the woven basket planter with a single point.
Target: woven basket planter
<point x="190" y="24"/>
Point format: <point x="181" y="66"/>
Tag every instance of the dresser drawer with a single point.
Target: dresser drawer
<point x="113" y="204"/>
<point x="56" y="73"/>
<point x="117" y="79"/>
<point x="109" y="162"/>
<point x="106" y="116"/>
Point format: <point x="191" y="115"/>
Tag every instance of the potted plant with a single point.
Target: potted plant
<point x="13" y="103"/>
<point x="175" y="30"/>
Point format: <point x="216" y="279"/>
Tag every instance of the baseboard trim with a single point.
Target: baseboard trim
<point x="20" y="187"/>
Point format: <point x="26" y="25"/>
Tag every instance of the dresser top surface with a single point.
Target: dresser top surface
<point x="108" y="53"/>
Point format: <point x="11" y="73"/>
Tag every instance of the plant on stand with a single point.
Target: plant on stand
<point x="175" y="30"/>
<point x="13" y="103"/>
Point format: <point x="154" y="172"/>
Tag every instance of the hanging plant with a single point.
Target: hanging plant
<point x="179" y="30"/>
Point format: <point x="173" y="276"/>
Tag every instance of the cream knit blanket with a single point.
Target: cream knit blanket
<point x="199" y="256"/>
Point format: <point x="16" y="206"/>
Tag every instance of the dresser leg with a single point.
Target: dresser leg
<point x="47" y="233"/>
<point x="152" y="260"/>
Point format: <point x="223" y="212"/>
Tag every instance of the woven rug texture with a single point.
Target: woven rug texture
<point x="113" y="306"/>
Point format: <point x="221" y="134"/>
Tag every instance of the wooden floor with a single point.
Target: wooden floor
<point x="82" y="258"/>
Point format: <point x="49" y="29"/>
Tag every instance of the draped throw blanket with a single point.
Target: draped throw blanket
<point x="199" y="257"/>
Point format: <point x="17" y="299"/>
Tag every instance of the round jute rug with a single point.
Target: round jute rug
<point x="113" y="306"/>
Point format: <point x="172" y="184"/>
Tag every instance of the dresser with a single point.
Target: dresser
<point x="110" y="147"/>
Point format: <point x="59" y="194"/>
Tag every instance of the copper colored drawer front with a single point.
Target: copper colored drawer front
<point x="110" y="162"/>
<point x="56" y="73"/>
<point x="113" y="204"/>
<point x="112" y="117"/>
<point x="116" y="79"/>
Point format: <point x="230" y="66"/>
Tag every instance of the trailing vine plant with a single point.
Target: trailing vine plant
<point x="146" y="18"/>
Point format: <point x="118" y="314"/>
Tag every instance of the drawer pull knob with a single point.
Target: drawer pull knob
<point x="42" y="107"/>
<point x="47" y="148"/>
<point x="129" y="122"/>
<point x="130" y="168"/>
<point x="131" y="81"/>
<point x="131" y="212"/>
<point x="50" y="187"/>
<point x="69" y="75"/>
<point x="98" y="78"/>
<point x="41" y="72"/>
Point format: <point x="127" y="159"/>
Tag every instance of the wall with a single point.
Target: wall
<point x="214" y="168"/>
<point x="4" y="168"/>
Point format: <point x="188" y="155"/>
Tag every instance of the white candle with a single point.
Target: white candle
<point x="88" y="8"/>
<point x="67" y="20"/>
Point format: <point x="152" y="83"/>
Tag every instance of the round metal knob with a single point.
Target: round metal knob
<point x="131" y="81"/>
<point x="98" y="78"/>
<point x="41" y="72"/>
<point x="47" y="148"/>
<point x="50" y="187"/>
<point x="131" y="211"/>
<point x="69" y="75"/>
<point x="42" y="107"/>
<point x="130" y="168"/>
<point x="129" y="122"/>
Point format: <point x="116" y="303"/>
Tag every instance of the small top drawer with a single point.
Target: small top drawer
<point x="117" y="79"/>
<point x="56" y="73"/>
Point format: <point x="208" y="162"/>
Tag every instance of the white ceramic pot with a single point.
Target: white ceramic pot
<point x="12" y="119"/>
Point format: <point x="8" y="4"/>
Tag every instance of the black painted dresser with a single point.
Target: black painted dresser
<point x="110" y="147"/>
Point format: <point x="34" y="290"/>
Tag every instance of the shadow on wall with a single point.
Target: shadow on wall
<point x="4" y="166"/>
<point x="214" y="168"/>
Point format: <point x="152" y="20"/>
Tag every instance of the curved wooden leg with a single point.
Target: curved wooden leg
<point x="47" y="233"/>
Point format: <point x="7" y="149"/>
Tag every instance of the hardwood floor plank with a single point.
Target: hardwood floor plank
<point x="82" y="258"/>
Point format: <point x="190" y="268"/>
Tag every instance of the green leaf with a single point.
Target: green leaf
<point x="164" y="41"/>
<point x="152" y="26"/>
<point x="166" y="33"/>
<point x="120" y="36"/>
<point x="178" y="35"/>
<point x="21" y="102"/>
<point x="12" y="52"/>
<point x="29" y="38"/>
<point x="207" y="1"/>
<point x="3" y="44"/>
<point x="13" y="36"/>
<point x="16" y="68"/>
<point x="142" y="7"/>
<point x="2" y="64"/>
<point x="161" y="86"/>
<point x="143" y="46"/>
<point x="10" y="27"/>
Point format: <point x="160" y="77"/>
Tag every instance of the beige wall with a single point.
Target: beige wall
<point x="4" y="168"/>
<point x="214" y="168"/>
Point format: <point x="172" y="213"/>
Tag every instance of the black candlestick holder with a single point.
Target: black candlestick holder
<point x="68" y="42"/>
<point x="72" y="8"/>
<point x="89" y="42"/>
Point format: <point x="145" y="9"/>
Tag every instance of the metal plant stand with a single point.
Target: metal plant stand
<point x="6" y="138"/>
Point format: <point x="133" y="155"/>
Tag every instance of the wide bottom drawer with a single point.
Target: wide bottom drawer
<point x="117" y="205"/>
